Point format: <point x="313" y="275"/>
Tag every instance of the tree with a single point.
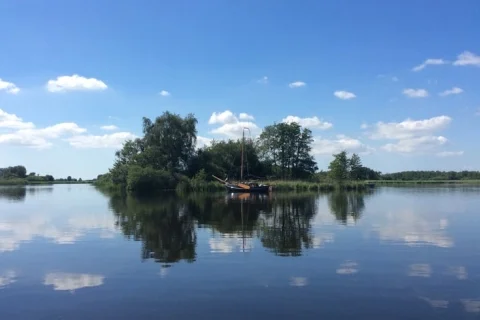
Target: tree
<point x="69" y="178"/>
<point x="339" y="167"/>
<point x="49" y="178"/>
<point x="355" y="167"/>
<point x="285" y="148"/>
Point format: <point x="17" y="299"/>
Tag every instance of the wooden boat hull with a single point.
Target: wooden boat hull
<point x="237" y="189"/>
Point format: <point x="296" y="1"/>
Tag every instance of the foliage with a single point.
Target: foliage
<point x="285" y="148"/>
<point x="432" y="175"/>
<point x="147" y="179"/>
<point x="13" y="172"/>
<point x="343" y="168"/>
<point x="339" y="167"/>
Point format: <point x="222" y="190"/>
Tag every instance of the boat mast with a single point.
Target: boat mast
<point x="243" y="147"/>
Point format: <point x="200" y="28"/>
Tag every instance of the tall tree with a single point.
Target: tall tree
<point x="355" y="164"/>
<point x="339" y="167"/>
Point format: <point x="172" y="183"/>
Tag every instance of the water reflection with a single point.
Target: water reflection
<point x="72" y="281"/>
<point x="6" y="278"/>
<point x="18" y="194"/>
<point x="346" y="206"/>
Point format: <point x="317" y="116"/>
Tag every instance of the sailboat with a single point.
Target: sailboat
<point x="244" y="187"/>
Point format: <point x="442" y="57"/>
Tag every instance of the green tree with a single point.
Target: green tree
<point x="338" y="168"/>
<point x="285" y="148"/>
<point x="69" y="178"/>
<point x="355" y="167"/>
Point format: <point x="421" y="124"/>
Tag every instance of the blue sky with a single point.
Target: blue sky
<point x="397" y="81"/>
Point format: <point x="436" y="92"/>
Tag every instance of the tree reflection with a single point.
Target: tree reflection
<point x="286" y="229"/>
<point x="345" y="204"/>
<point x="15" y="194"/>
<point x="167" y="224"/>
<point x="163" y="224"/>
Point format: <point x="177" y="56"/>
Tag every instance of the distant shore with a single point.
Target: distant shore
<point x="25" y="182"/>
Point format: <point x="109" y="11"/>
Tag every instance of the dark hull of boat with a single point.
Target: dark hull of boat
<point x="237" y="189"/>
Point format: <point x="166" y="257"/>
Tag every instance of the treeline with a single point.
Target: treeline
<point x="18" y="175"/>
<point x="431" y="175"/>
<point x="166" y="158"/>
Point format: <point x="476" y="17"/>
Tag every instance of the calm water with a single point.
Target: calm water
<point x="71" y="252"/>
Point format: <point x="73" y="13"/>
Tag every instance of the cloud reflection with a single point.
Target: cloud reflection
<point x="471" y="305"/>
<point x="72" y="281"/>
<point x="420" y="270"/>
<point x="6" y="278"/>
<point x="348" y="267"/>
<point x="230" y="243"/>
<point x="298" y="281"/>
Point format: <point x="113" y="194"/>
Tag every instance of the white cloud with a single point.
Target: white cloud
<point x="450" y="153"/>
<point x="203" y="141"/>
<point x="328" y="147"/>
<point x="75" y="83"/>
<point x="25" y="133"/>
<point x="246" y="116"/>
<point x="344" y="95"/>
<point x="415" y="93"/>
<point x="348" y="267"/>
<point x="467" y="58"/>
<point x="8" y="87"/>
<point x="298" y="281"/>
<point x="454" y="90"/>
<point x="409" y="128"/>
<point x="224" y="117"/>
<point x="6" y="278"/>
<point x="297" y="84"/>
<point x="263" y="80"/>
<point x="114" y="140"/>
<point x="234" y="130"/>
<point x="109" y="127"/>
<point x="429" y="62"/>
<point x="164" y="93"/>
<point x="72" y="281"/>
<point x="11" y="121"/>
<point x="232" y="126"/>
<point x="416" y="145"/>
<point x="395" y="79"/>
<point x="420" y="270"/>
<point x="312" y="123"/>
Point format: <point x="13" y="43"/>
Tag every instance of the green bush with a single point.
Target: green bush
<point x="148" y="179"/>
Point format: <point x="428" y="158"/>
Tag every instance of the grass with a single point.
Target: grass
<point x="282" y="185"/>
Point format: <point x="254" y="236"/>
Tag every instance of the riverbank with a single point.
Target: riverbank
<point x="428" y="182"/>
<point x="25" y="182"/>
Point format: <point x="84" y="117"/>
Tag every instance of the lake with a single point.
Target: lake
<point x="72" y="252"/>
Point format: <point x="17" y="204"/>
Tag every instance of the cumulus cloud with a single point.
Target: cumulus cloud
<point x="429" y="62"/>
<point x="75" y="83"/>
<point x="232" y="126"/>
<point x="246" y="116"/>
<point x="415" y="93"/>
<point x="297" y="84"/>
<point x="109" y="127"/>
<point x="114" y="140"/>
<point x="322" y="146"/>
<point x="467" y="58"/>
<point x="164" y="93"/>
<point x="454" y="90"/>
<point x="450" y="153"/>
<point x="416" y="145"/>
<point x="344" y="95"/>
<point x="8" y="87"/>
<point x="203" y="141"/>
<point x="224" y="117"/>
<point x="409" y="128"/>
<point x="23" y="133"/>
<point x="311" y="123"/>
<point x="72" y="281"/>
<point x="11" y="121"/>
